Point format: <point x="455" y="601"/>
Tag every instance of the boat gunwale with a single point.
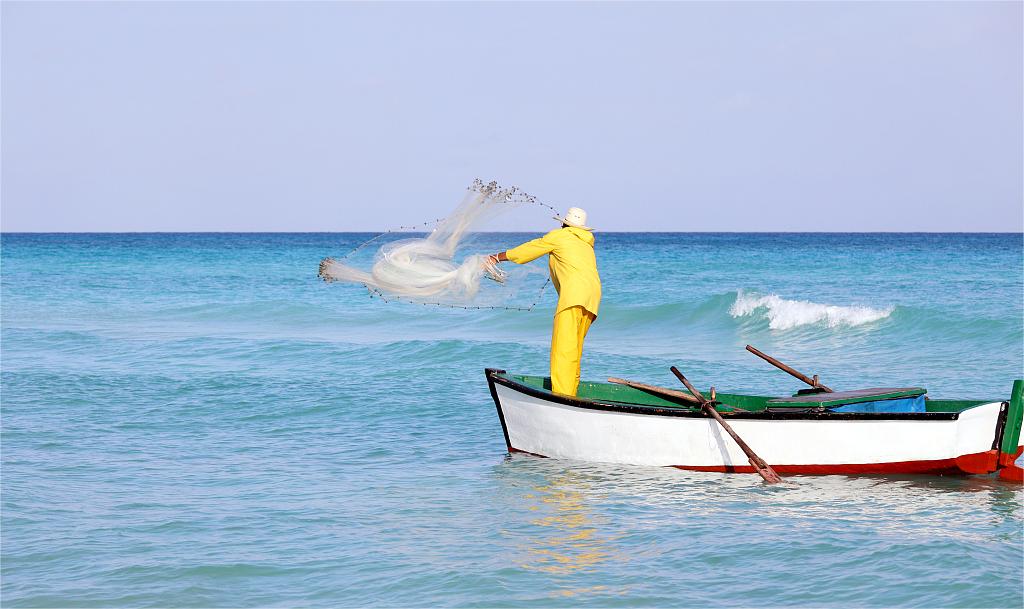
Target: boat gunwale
<point x="499" y="376"/>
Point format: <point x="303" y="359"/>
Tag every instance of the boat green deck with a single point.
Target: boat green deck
<point x="611" y="392"/>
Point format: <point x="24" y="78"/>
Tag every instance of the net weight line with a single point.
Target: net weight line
<point x="417" y="228"/>
<point x="375" y="293"/>
<point x="514" y="196"/>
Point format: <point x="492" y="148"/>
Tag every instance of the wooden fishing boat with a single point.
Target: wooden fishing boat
<point x="812" y="432"/>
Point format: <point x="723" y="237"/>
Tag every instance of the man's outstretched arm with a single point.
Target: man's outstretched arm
<point x="531" y="250"/>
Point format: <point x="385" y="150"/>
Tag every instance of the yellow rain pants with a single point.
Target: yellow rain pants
<point x="573" y="269"/>
<point x="567" y="336"/>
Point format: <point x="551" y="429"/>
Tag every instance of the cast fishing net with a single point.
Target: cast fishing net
<point x="428" y="270"/>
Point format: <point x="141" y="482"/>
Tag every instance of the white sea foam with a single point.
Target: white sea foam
<point x="783" y="314"/>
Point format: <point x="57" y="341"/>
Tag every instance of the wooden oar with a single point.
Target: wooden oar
<point x="654" y="389"/>
<point x="665" y="392"/>
<point x="812" y="381"/>
<point x="763" y="469"/>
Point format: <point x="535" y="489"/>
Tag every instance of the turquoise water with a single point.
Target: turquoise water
<point x="193" y="420"/>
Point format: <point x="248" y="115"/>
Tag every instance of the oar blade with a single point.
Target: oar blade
<point x="765" y="471"/>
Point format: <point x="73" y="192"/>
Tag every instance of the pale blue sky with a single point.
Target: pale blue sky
<point x="685" y="116"/>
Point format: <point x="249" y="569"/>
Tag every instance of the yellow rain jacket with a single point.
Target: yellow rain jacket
<point x="572" y="264"/>
<point x="573" y="268"/>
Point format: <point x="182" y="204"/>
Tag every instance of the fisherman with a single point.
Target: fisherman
<point x="573" y="268"/>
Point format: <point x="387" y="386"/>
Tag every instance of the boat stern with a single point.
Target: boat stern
<point x="1009" y="443"/>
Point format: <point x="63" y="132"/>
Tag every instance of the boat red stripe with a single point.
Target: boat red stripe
<point x="977" y="463"/>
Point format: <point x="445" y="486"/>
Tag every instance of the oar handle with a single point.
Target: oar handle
<point x="679" y="375"/>
<point x="813" y="382"/>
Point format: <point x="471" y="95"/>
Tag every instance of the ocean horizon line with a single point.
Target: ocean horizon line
<point x="616" y="232"/>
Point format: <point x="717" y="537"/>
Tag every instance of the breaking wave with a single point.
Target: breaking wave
<point x="783" y="314"/>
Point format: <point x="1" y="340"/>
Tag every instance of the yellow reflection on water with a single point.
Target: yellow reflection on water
<point x="577" y="591"/>
<point x="570" y="541"/>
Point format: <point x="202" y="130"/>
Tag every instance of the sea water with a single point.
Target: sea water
<point x="193" y="420"/>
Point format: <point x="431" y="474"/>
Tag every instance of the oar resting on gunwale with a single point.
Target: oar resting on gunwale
<point x="812" y="381"/>
<point x="665" y="392"/>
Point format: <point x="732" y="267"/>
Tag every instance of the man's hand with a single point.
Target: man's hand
<point x="491" y="270"/>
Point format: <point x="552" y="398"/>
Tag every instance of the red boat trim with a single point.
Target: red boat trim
<point x="1012" y="473"/>
<point x="1008" y="468"/>
<point x="1008" y="460"/>
<point x="978" y="463"/>
<point x="525" y="452"/>
<point x="964" y="464"/>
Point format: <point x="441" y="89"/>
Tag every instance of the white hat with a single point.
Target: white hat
<point x="574" y="217"/>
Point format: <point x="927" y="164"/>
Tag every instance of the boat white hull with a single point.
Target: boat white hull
<point x="543" y="424"/>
